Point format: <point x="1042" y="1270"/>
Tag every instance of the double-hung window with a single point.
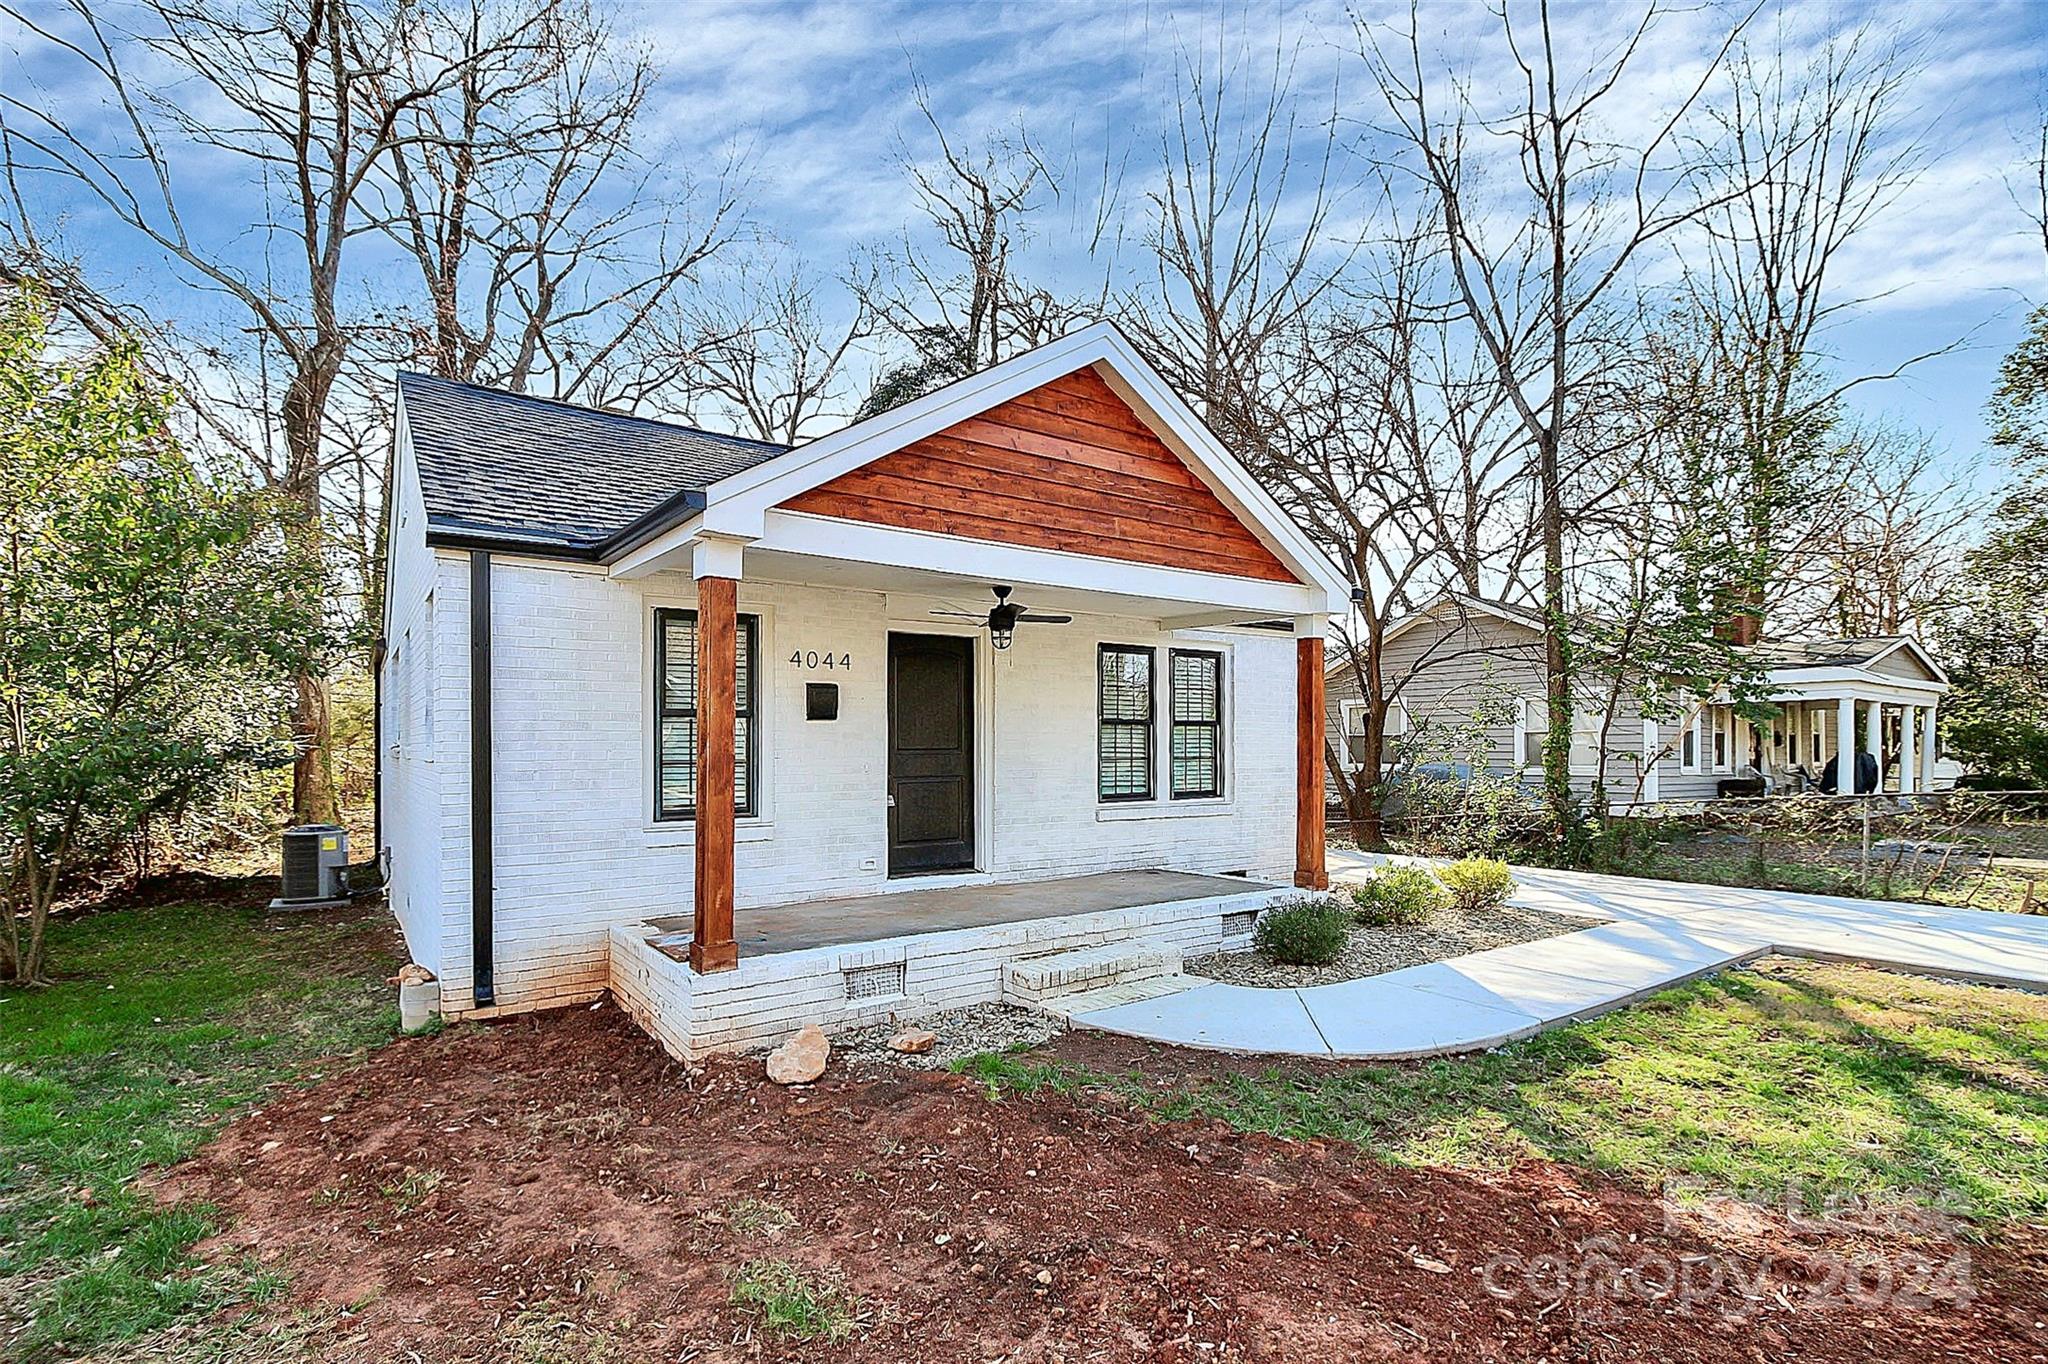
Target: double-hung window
<point x="1532" y="731"/>
<point x="1123" y="742"/>
<point x="675" y="707"/>
<point x="1195" y="745"/>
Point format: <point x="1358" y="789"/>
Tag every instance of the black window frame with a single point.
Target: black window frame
<point x="1147" y="725"/>
<point x="1174" y="724"/>
<point x="746" y="661"/>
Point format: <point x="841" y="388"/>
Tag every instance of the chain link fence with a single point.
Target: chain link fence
<point x="1976" y="849"/>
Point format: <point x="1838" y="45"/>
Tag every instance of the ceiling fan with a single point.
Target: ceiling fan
<point x="1003" y="617"/>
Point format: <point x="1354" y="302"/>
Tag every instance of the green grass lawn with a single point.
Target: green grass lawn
<point x="170" y="1019"/>
<point x="165" y="1022"/>
<point x="1838" y="1079"/>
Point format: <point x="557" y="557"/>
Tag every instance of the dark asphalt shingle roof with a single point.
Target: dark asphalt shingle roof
<point x="1826" y="653"/>
<point x="492" y="462"/>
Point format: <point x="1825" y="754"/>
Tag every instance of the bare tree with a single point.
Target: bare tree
<point x="1241" y="254"/>
<point x="286" y="87"/>
<point x="1535" y="270"/>
<point x="1396" y="461"/>
<point x="1804" y="155"/>
<point x="962" y="307"/>
<point x="546" y="247"/>
<point x="1890" y="562"/>
<point x="765" y="349"/>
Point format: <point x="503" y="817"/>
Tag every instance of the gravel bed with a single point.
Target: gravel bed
<point x="1371" y="951"/>
<point x="961" y="1032"/>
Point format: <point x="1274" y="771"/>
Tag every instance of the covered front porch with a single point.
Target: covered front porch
<point x="855" y="961"/>
<point x="849" y="919"/>
<point x="1895" y="723"/>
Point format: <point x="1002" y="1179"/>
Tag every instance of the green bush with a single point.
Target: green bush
<point x="1399" y="895"/>
<point x="1477" y="883"/>
<point x="1307" y="933"/>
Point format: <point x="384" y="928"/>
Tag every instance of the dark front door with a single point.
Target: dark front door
<point x="931" y="753"/>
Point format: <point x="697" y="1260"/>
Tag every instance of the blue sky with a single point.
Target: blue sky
<point x="817" y="100"/>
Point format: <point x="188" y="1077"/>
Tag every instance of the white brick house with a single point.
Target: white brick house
<point x="560" y="578"/>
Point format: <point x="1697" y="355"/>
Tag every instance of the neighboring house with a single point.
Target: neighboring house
<point x="1476" y="667"/>
<point x="578" y="598"/>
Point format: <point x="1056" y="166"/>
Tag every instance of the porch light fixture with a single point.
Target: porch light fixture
<point x="1003" y="617"/>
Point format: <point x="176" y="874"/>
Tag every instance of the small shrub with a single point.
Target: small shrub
<point x="1307" y="933"/>
<point x="794" y="1303"/>
<point x="1398" y="895"/>
<point x="1478" y="883"/>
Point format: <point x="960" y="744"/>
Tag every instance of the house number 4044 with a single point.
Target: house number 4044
<point x="811" y="658"/>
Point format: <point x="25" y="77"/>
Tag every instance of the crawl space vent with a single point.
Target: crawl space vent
<point x="874" y="982"/>
<point x="1240" y="922"/>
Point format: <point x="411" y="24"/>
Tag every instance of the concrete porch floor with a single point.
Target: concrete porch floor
<point x="893" y="914"/>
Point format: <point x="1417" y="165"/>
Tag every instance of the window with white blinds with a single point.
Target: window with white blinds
<point x="675" y="702"/>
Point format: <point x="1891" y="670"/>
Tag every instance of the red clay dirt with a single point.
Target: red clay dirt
<point x="454" y="1191"/>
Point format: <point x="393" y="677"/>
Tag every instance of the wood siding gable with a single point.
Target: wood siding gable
<point x="1067" y="466"/>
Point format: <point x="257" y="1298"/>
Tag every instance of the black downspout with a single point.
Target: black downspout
<point x="480" y="776"/>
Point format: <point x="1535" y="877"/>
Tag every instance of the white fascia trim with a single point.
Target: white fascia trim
<point x="647" y="558"/>
<point x="1428" y="610"/>
<point x="738" y="505"/>
<point x="404" y="466"/>
<point x="830" y="537"/>
<point x="1822" y="683"/>
<point x="1908" y="642"/>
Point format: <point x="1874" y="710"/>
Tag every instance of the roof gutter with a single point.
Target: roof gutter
<point x="669" y="512"/>
<point x="484" y="541"/>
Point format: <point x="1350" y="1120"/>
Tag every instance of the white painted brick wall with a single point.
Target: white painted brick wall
<point x="578" y="853"/>
<point x="413" y="817"/>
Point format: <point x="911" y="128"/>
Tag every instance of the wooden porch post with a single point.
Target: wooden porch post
<point x="712" y="947"/>
<point x="1309" y="725"/>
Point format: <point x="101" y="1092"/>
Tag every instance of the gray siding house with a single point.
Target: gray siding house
<point x="1474" y="667"/>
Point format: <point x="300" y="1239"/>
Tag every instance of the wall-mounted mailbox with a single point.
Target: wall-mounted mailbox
<point x="821" y="700"/>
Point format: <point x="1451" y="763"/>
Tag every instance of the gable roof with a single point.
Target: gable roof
<point x="503" y="470"/>
<point x="506" y="466"/>
<point x="1065" y="466"/>
<point x="1780" y="655"/>
<point x="1526" y="617"/>
<point x="1855" y="651"/>
<point x="738" y="505"/>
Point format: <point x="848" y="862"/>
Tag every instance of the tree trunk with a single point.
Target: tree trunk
<point x="1557" y="660"/>
<point x="312" y="721"/>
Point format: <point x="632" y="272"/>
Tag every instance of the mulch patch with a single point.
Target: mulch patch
<point x="453" y="1190"/>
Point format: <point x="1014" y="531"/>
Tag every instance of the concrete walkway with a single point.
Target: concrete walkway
<point x="1654" y="934"/>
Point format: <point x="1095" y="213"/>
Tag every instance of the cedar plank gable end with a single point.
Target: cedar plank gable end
<point x="1067" y="466"/>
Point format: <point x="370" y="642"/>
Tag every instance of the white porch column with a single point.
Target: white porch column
<point x="1845" y="746"/>
<point x="1909" y="770"/>
<point x="1873" y="737"/>
<point x="1927" y="746"/>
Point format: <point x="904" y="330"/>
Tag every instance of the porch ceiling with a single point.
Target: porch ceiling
<point x="893" y="914"/>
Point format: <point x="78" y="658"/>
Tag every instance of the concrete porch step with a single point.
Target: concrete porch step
<point x="1031" y="981"/>
<point x="1071" y="1006"/>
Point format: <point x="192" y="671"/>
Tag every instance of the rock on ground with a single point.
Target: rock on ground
<point x="913" y="1041"/>
<point x="802" y="1058"/>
